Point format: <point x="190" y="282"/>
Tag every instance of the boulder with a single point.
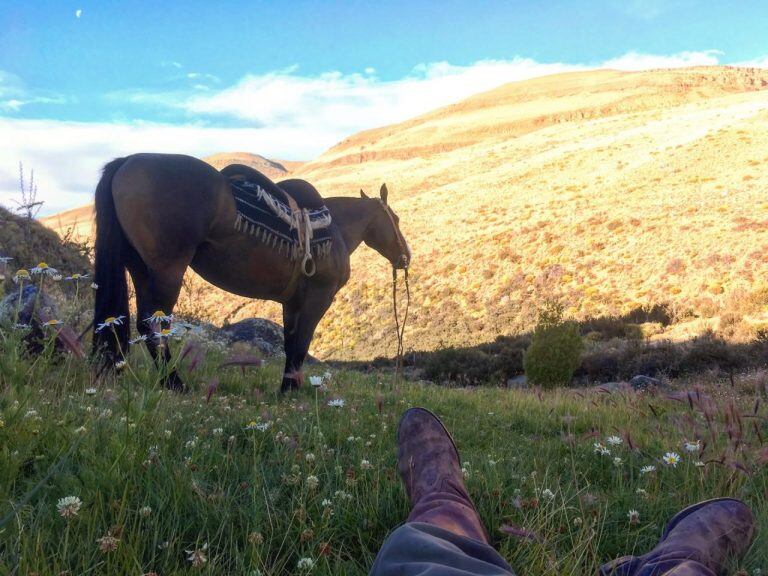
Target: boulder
<point x="32" y="308"/>
<point x="264" y="335"/>
<point x="641" y="382"/>
<point x="518" y="382"/>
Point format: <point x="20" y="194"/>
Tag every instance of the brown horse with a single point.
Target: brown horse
<point x="157" y="214"/>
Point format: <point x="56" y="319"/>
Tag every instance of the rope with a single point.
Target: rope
<point x="400" y="328"/>
<point x="307" y="264"/>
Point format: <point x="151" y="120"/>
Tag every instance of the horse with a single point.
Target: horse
<point x="158" y="214"/>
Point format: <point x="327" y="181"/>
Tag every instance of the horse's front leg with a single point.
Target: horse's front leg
<point x="300" y="318"/>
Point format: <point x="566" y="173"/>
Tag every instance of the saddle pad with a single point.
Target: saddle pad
<point x="271" y="221"/>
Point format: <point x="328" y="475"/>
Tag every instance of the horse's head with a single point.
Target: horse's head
<point x="383" y="233"/>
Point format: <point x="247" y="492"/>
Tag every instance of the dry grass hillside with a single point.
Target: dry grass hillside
<point x="608" y="191"/>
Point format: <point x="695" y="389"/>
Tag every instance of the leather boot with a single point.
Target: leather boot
<point x="428" y="463"/>
<point x="697" y="542"/>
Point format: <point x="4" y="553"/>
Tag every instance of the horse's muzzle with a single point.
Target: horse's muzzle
<point x="402" y="263"/>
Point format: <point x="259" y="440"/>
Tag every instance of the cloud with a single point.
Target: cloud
<point x="280" y="114"/>
<point x="67" y="156"/>
<point x="633" y="61"/>
<point x="761" y="62"/>
<point x="14" y="94"/>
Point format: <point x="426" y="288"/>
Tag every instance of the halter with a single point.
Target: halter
<point x="405" y="254"/>
<point x="401" y="243"/>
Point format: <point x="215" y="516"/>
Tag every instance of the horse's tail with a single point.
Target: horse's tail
<point x="111" y="254"/>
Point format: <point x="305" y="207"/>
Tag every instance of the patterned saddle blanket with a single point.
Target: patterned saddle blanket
<point x="272" y="221"/>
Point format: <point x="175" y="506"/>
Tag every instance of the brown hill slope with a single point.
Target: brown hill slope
<point x="29" y="242"/>
<point x="605" y="190"/>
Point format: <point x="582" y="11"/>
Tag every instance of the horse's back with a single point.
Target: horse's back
<point x="305" y="195"/>
<point x="303" y="192"/>
<point x="169" y="203"/>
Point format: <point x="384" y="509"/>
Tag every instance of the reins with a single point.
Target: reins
<point x="399" y="327"/>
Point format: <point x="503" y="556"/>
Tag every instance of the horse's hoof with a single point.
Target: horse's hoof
<point x="175" y="383"/>
<point x="289" y="385"/>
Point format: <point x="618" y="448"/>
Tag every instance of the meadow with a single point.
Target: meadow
<point x="124" y="477"/>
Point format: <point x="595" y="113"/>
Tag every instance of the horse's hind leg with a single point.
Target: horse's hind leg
<point x="157" y="290"/>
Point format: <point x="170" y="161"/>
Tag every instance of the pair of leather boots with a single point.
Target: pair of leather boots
<point x="698" y="541"/>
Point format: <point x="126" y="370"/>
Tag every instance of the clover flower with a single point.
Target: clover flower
<point x="110" y="321"/>
<point x="634" y="517"/>
<point x="108" y="543"/>
<point x="312" y="482"/>
<point x="69" y="506"/>
<point x="305" y="564"/>
<point x="365" y="465"/>
<point x="197" y="557"/>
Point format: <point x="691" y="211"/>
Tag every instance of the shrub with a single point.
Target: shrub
<point x="555" y="350"/>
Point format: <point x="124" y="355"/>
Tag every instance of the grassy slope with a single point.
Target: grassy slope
<point x="606" y="190"/>
<point x="27" y="244"/>
<point x="210" y="480"/>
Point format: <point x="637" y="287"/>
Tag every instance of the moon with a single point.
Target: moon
<point x="78" y="13"/>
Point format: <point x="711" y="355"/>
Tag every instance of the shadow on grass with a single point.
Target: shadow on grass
<point x="617" y="349"/>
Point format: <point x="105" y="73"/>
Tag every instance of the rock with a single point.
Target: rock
<point x="264" y="335"/>
<point x="518" y="382"/>
<point x="611" y="386"/>
<point x="32" y="308"/>
<point x="641" y="382"/>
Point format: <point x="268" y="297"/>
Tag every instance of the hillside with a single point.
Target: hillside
<point x="29" y="242"/>
<point x="609" y="191"/>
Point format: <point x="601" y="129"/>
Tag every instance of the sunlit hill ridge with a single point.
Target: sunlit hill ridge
<point x="608" y="191"/>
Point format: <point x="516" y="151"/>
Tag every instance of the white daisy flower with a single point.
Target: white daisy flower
<point x="648" y="469"/>
<point x="614" y="440"/>
<point x="21" y="275"/>
<point x="336" y="403"/>
<point x="634" y="517"/>
<point x="159" y="316"/>
<point x="693" y="446"/>
<point x="110" y="321"/>
<point x="43" y="268"/>
<point x="671" y="459"/>
<point x="142" y="338"/>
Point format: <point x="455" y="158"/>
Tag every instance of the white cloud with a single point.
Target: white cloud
<point x="761" y="62"/>
<point x="639" y="61"/>
<point x="282" y="114"/>
<point x="67" y="156"/>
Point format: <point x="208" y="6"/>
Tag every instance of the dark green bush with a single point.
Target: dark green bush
<point x="555" y="350"/>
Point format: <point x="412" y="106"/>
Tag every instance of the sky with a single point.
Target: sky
<point x="84" y="81"/>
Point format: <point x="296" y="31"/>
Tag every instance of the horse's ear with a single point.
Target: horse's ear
<point x="383" y="192"/>
<point x="363" y="194"/>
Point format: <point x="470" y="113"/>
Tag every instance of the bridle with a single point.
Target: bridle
<point x="405" y="255"/>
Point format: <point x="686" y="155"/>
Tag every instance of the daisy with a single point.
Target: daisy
<point x="699" y="464"/>
<point x="159" y="316"/>
<point x="5" y="259"/>
<point x="336" y="403"/>
<point x="76" y="277"/>
<point x="316" y="381"/>
<point x="634" y="517"/>
<point x="165" y="333"/>
<point x="90" y="391"/>
<point x="43" y="268"/>
<point x="94" y="286"/>
<point x="69" y="506"/>
<point x="671" y="459"/>
<point x="52" y="322"/>
<point x="614" y="440"/>
<point x="21" y="275"/>
<point x="600" y="448"/>
<point x="110" y="321"/>
<point x="647" y="469"/>
<point x="693" y="446"/>
<point x="142" y="338"/>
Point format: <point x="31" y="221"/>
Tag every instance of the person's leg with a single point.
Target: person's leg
<point x="697" y="542"/>
<point x="443" y="535"/>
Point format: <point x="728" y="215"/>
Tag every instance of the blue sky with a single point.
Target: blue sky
<point x="89" y="80"/>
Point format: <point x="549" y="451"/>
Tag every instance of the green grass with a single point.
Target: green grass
<point x="242" y="494"/>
